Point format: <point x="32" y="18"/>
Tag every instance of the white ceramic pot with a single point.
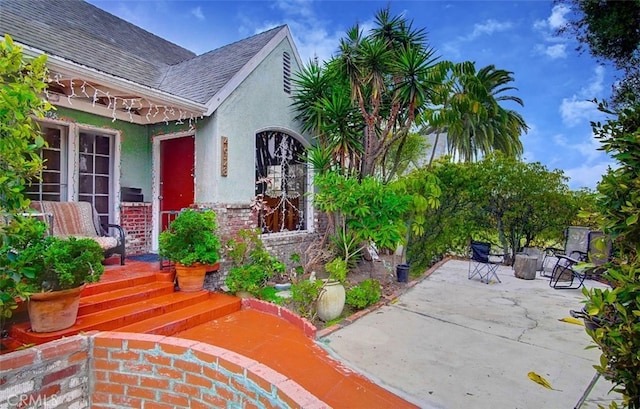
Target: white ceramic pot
<point x="331" y="300"/>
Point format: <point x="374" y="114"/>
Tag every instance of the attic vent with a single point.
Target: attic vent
<point x="286" y="72"/>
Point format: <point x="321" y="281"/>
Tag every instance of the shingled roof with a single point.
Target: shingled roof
<point x="84" y="34"/>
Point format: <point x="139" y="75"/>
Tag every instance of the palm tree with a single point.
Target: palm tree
<point x="483" y="125"/>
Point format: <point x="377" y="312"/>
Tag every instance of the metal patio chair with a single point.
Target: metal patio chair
<point x="482" y="262"/>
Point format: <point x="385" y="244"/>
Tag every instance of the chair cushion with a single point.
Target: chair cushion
<point x="106" y="243"/>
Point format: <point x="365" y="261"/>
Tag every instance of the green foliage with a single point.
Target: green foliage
<point x="191" y="238"/>
<point x="304" y="295"/>
<point x="337" y="269"/>
<point x="363" y="209"/>
<point x="21" y="83"/>
<point x="252" y="265"/>
<point x="364" y="294"/>
<point x="54" y="264"/>
<point x="270" y="294"/>
<point x="618" y="309"/>
<point x="499" y="196"/>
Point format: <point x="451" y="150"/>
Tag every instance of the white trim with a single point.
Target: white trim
<point x="155" y="182"/>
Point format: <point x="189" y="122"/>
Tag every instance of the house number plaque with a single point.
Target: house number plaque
<point x="225" y="156"/>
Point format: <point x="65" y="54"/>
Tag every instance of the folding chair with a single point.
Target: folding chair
<point x="482" y="263"/>
<point x="566" y="275"/>
<point x="576" y="246"/>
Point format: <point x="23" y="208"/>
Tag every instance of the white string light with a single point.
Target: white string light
<point x="129" y="106"/>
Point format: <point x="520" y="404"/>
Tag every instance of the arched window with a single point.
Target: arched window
<point x="280" y="182"/>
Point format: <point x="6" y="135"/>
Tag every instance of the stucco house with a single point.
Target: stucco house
<point x="144" y="127"/>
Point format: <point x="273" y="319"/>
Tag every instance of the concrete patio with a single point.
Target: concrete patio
<point x="451" y="342"/>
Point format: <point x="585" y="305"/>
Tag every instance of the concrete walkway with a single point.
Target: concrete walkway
<point x="450" y="342"/>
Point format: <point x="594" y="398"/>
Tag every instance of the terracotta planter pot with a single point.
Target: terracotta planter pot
<point x="331" y="300"/>
<point x="191" y="278"/>
<point x="55" y="310"/>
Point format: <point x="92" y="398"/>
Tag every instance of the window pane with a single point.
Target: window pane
<point x="86" y="142"/>
<point x="102" y="204"/>
<point x="51" y="177"/>
<point x="86" y="184"/>
<point x="102" y="145"/>
<point x="102" y="165"/>
<point x="86" y="163"/>
<point x="52" y="136"/>
<point x="102" y="185"/>
<point x="50" y="197"/>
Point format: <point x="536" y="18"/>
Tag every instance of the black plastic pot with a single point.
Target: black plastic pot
<point x="402" y="272"/>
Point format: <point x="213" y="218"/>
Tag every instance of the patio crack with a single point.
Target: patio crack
<point x="528" y="317"/>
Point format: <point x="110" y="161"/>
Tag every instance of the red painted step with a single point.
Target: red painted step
<point x="106" y="300"/>
<point x="113" y="318"/>
<point x="217" y="306"/>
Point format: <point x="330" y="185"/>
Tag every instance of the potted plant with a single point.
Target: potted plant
<point x="251" y="264"/>
<point x="192" y="244"/>
<point x="54" y="272"/>
<point x="332" y="296"/>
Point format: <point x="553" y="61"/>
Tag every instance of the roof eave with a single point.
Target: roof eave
<point x="56" y="63"/>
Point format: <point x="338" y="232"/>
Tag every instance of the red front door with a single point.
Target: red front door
<point x="177" y="158"/>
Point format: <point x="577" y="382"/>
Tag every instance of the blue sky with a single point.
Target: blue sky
<point x="555" y="81"/>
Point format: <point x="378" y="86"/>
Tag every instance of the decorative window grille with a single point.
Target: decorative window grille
<point x="286" y="72"/>
<point x="280" y="182"/>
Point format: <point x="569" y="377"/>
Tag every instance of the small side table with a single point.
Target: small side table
<point x="525" y="266"/>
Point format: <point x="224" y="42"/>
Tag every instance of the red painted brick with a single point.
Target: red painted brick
<point x="176" y="346"/>
<point x="109" y="388"/>
<point x="187" y="366"/>
<point x="107" y="340"/>
<point x="116" y="377"/>
<point x="264" y="376"/>
<point x="187" y="390"/>
<point x="125" y="355"/>
<point x="176" y="400"/>
<point x="142" y="393"/>
<point x="198" y="380"/>
<point x="154" y="383"/>
<point x="81" y="356"/>
<point x="18" y="359"/>
<point x="136" y="367"/>
<point x="99" y="398"/>
<point x="169" y="373"/>
<point x="61" y="347"/>
<point x="214" y="375"/>
<point x="126" y="401"/>
<point x="106" y="365"/>
<point x="157" y="359"/>
<point x="215" y="400"/>
<point x="57" y="375"/>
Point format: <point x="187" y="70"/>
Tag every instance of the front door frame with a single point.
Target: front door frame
<point x="155" y="193"/>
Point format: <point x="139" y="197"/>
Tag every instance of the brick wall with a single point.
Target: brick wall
<point x="52" y="375"/>
<point x="135" y="219"/>
<point x="122" y="370"/>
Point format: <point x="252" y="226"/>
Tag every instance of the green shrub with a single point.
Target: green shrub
<point x="304" y="295"/>
<point x="364" y="294"/>
<point x="337" y="269"/>
<point x="191" y="238"/>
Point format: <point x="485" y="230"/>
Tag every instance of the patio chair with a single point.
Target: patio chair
<point x="482" y="262"/>
<point x="576" y="247"/>
<point x="567" y="274"/>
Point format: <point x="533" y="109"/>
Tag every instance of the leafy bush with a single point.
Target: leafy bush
<point x="337" y="269"/>
<point x="252" y="264"/>
<point x="364" y="294"/>
<point x="191" y="238"/>
<point x="304" y="295"/>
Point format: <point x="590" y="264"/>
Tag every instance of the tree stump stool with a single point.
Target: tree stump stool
<point x="525" y="266"/>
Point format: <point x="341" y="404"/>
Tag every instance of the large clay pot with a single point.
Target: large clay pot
<point x="191" y="278"/>
<point x="54" y="310"/>
<point x="331" y="300"/>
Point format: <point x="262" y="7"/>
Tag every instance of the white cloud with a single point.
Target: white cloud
<point x="556" y="51"/>
<point x="587" y="175"/>
<point x="580" y="107"/>
<point x="488" y="28"/>
<point x="197" y="12"/>
<point x="556" y="19"/>
<point x="575" y="110"/>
